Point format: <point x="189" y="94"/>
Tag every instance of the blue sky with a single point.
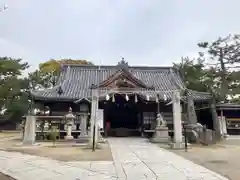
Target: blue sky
<point x="144" y="32"/>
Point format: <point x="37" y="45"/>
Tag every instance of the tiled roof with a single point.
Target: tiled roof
<point x="75" y="81"/>
<point x="198" y="96"/>
<point x="228" y="106"/>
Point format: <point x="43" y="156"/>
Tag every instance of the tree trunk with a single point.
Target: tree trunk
<point x="216" y="126"/>
<point x="224" y="84"/>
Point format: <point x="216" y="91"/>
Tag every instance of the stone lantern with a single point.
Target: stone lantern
<point x="69" y="122"/>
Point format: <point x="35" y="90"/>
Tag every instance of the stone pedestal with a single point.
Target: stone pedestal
<point x="69" y="133"/>
<point x="177" y="145"/>
<point x="161" y="135"/>
<point x="29" y="130"/>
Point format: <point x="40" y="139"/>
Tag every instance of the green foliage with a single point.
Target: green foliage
<point x="215" y="69"/>
<point x="54" y="133"/>
<point x="47" y="74"/>
<point x="224" y="54"/>
<point x="194" y="75"/>
<point x="11" y="84"/>
<point x="14" y="89"/>
<point x="11" y="67"/>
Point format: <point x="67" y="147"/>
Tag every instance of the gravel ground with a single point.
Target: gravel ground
<point x="221" y="158"/>
<point x="67" y="152"/>
<point x="64" y="151"/>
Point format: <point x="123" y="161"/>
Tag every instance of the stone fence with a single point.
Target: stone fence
<point x="207" y="137"/>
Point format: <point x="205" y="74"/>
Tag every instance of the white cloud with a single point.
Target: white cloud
<point x="11" y="49"/>
<point x="144" y="32"/>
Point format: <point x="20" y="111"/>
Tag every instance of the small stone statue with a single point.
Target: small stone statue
<point x="46" y="126"/>
<point x="161" y="131"/>
<point x="160" y="121"/>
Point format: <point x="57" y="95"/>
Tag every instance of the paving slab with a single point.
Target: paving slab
<point x="161" y="164"/>
<point x="134" y="158"/>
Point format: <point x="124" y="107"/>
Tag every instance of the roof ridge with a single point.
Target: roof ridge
<point x="199" y="92"/>
<point x="54" y="88"/>
<point x="115" y="66"/>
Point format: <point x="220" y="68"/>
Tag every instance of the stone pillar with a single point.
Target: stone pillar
<point x="224" y="126"/>
<point x="192" y="117"/>
<point x="69" y="132"/>
<point x="100" y="124"/>
<point x="177" y="122"/>
<point x="192" y="120"/>
<point x="94" y="108"/>
<point x="83" y="125"/>
<point x="23" y="128"/>
<point x="30" y="130"/>
<point x="83" y="137"/>
<point x="216" y="125"/>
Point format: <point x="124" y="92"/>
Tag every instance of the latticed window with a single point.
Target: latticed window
<point x="148" y="118"/>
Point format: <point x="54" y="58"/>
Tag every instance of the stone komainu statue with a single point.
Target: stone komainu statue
<point x="161" y="121"/>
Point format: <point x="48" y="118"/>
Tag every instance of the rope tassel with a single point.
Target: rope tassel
<point x="157" y="100"/>
<point x="136" y="100"/>
<point x="127" y="98"/>
<point x="107" y="97"/>
<point x="113" y="98"/>
<point x="148" y="97"/>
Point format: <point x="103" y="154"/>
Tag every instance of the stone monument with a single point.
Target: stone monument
<point x="93" y="120"/>
<point x="100" y="125"/>
<point x="161" y="131"/>
<point x="70" y="120"/>
<point x="83" y="137"/>
<point x="29" y="136"/>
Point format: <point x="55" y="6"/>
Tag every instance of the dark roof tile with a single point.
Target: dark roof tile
<point x="76" y="81"/>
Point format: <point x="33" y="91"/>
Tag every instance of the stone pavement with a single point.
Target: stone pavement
<point x="134" y="159"/>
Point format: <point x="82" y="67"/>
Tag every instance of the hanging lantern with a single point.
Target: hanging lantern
<point x="127" y="98"/>
<point x="157" y="99"/>
<point x="107" y="97"/>
<point x="165" y="97"/>
<point x="136" y="100"/>
<point x="148" y="97"/>
<point x="113" y="98"/>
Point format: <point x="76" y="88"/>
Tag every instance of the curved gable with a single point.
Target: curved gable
<point x="122" y="78"/>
